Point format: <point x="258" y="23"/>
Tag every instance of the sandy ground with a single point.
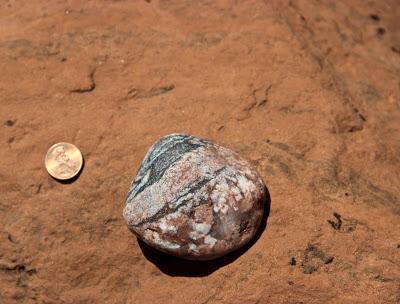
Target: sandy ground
<point x="308" y="91"/>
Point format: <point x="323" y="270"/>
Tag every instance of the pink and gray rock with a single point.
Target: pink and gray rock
<point x="194" y="199"/>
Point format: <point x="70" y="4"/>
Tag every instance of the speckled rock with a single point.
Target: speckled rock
<point x="194" y="199"/>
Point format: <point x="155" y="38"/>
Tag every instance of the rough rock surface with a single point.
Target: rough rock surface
<point x="194" y="199"/>
<point x="306" y="90"/>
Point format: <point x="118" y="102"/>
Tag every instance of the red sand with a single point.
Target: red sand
<point x="307" y="90"/>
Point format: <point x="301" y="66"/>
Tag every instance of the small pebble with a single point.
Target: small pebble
<point x="194" y="199"/>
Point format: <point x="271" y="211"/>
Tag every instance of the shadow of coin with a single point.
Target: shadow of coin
<point x="175" y="266"/>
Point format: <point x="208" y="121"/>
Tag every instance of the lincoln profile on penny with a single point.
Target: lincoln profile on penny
<point x="194" y="199"/>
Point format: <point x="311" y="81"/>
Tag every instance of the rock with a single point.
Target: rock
<point x="194" y="199"/>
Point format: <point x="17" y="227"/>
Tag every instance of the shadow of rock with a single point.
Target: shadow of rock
<point x="174" y="266"/>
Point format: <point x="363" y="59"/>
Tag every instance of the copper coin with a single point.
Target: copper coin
<point x="63" y="161"/>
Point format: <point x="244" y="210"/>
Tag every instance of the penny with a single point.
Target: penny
<point x="63" y="161"/>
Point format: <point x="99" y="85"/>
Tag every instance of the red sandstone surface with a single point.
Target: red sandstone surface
<point x="308" y="91"/>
